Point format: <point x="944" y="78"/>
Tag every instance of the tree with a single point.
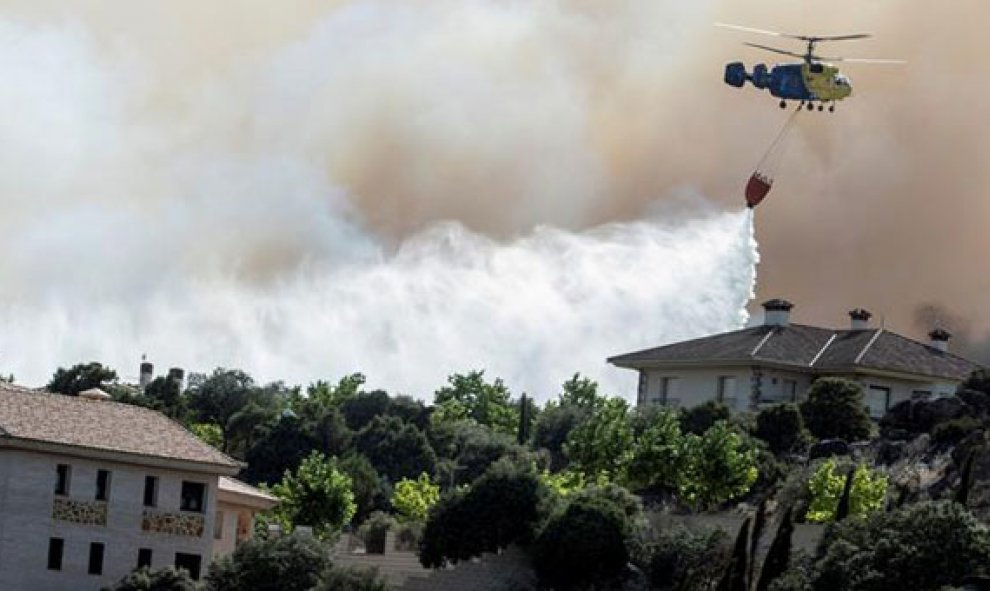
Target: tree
<point x="524" y="431"/>
<point x="288" y="563"/>
<point x="318" y="494"/>
<point x="279" y="447"/>
<point x="583" y="546"/>
<point x="224" y="395"/>
<point x="396" y="449"/>
<point x="552" y="428"/>
<point x="580" y="393"/>
<point x="922" y="546"/>
<point x="736" y="571"/>
<point x="718" y="466"/>
<point x="602" y="443"/>
<point x="866" y="493"/>
<point x="413" y="499"/>
<point x="475" y="448"/>
<point x="370" y="493"/>
<point x="358" y="410"/>
<point x="329" y="395"/>
<point x="165" y="395"/>
<point x="145" y="579"/>
<point x="835" y="409"/>
<point x="782" y="427"/>
<point x="779" y="555"/>
<point x="208" y="433"/>
<point x="502" y="507"/>
<point x="658" y="453"/>
<point x="486" y="403"/>
<point x="81" y="377"/>
<point x="343" y="578"/>
<point x="699" y="419"/>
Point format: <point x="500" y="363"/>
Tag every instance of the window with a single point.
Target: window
<point x="726" y="392"/>
<point x="878" y="400"/>
<point x="921" y="395"/>
<point x="218" y="526"/>
<point x="55" y="548"/>
<point x="102" y="485"/>
<point x="790" y="390"/>
<point x="150" y="491"/>
<point x="193" y="497"/>
<point x="144" y="557"/>
<point x="96" y="558"/>
<point x="62" y="473"/>
<point x="668" y="389"/>
<point x="190" y="562"/>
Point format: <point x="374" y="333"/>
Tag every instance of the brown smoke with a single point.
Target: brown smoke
<point x="583" y="112"/>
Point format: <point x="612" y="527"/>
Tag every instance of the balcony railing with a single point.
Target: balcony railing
<point x="175" y="524"/>
<point x="81" y="512"/>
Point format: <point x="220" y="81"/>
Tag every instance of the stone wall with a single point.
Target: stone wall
<point x="176" y="524"/>
<point x="81" y="512"/>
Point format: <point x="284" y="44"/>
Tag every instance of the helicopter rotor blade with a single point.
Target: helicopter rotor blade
<point x="757" y="31"/>
<point x="842" y="37"/>
<point x="775" y="50"/>
<point x="812" y="38"/>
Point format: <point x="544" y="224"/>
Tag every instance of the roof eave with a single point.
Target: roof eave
<point x="122" y="457"/>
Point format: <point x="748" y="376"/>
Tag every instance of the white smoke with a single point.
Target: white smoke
<point x="233" y="225"/>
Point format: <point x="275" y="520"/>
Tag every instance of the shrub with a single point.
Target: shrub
<point x="290" y="563"/>
<point x="373" y="531"/>
<point x="953" y="431"/>
<point x="923" y="546"/>
<point x="835" y="410"/>
<point x="825" y="487"/>
<point x="683" y="560"/>
<point x="718" y="466"/>
<point x="341" y="578"/>
<point x="413" y="498"/>
<point x="317" y="494"/>
<point x="782" y="427"/>
<point x="584" y="544"/>
<point x="166" y="579"/>
<point x="699" y="419"/>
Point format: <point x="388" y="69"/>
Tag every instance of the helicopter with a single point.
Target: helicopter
<point x="814" y="81"/>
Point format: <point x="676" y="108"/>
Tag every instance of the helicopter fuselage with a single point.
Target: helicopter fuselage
<point x="808" y="82"/>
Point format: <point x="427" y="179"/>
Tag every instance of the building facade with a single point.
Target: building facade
<point x="91" y="489"/>
<point x="777" y="361"/>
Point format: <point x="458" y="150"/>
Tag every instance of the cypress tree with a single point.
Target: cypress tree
<point x="525" y="420"/>
<point x="758" y="523"/>
<point x="779" y="554"/>
<point x="734" y="578"/>
<point x="966" y="481"/>
<point x="842" y="510"/>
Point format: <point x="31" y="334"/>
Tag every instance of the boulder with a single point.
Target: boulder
<point x="888" y="452"/>
<point x="827" y="448"/>
<point x="919" y="416"/>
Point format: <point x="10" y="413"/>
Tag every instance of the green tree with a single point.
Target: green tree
<point x="288" y="563"/>
<point x="330" y="395"/>
<point x="370" y="492"/>
<point x="658" y="453"/>
<point x="318" y="494"/>
<point x="604" y="442"/>
<point x="702" y="417"/>
<point x="413" y="499"/>
<point x="552" y="428"/>
<point x="145" y="579"/>
<point x="396" y="449"/>
<point x="923" y="546"/>
<point x="209" y="433"/>
<point x="486" y="403"/>
<point x="525" y="428"/>
<point x="358" y="410"/>
<point x="165" y="395"/>
<point x="342" y="578"/>
<point x="225" y="398"/>
<point x="81" y="377"/>
<point x="502" y="507"/>
<point x="580" y="392"/>
<point x="825" y="486"/>
<point x="277" y="448"/>
<point x="835" y="409"/>
<point x="718" y="466"/>
<point x="782" y="427"/>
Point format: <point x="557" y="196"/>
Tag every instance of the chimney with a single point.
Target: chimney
<point x="777" y="312"/>
<point x="940" y="339"/>
<point x="147" y="373"/>
<point x="859" y="319"/>
<point x="177" y="375"/>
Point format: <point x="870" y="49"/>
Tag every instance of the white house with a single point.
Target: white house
<point x="91" y="489"/>
<point x="777" y="362"/>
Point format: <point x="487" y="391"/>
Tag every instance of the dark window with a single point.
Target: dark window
<point x="190" y="562"/>
<point x="96" y="558"/>
<point x="144" y="557"/>
<point x="55" y="547"/>
<point x="150" y="491"/>
<point x="193" y="497"/>
<point x="102" y="485"/>
<point x="218" y="526"/>
<point x="62" y="479"/>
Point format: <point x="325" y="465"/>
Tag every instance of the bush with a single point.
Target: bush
<point x="166" y="579"/>
<point x="825" y="487"/>
<point x="835" y="410"/>
<point x="290" y="563"/>
<point x="782" y="427"/>
<point x="923" y="546"/>
<point x="413" y="498"/>
<point x="584" y="544"/>
<point x="373" y="531"/>
<point x="352" y="579"/>
<point x="683" y="560"/>
<point x="718" y="466"/>
<point x="700" y="418"/>
<point x="953" y="431"/>
<point x="317" y="494"/>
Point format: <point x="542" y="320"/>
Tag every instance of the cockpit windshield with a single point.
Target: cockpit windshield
<point x="841" y="80"/>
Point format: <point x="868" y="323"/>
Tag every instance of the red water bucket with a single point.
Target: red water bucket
<point x="757" y="188"/>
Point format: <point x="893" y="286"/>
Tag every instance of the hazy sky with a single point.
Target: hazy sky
<point x="149" y="144"/>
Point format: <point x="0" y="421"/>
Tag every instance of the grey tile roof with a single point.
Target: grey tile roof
<point x="809" y="348"/>
<point x="102" y="425"/>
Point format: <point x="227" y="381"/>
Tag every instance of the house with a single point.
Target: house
<point x="777" y="362"/>
<point x="91" y="489"/>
